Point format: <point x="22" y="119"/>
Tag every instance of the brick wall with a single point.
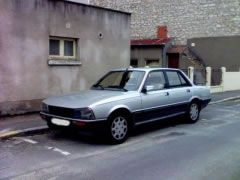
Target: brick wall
<point x="184" y="18"/>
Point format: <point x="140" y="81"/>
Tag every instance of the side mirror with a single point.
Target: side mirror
<point x="152" y="87"/>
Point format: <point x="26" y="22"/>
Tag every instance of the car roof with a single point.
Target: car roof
<point x="146" y="69"/>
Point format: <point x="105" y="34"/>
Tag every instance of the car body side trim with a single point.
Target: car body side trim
<point x="73" y="119"/>
<point x="157" y="107"/>
<point x="160" y="118"/>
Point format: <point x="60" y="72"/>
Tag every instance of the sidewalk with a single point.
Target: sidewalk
<point x="225" y="96"/>
<point x="21" y="124"/>
<point x="32" y="123"/>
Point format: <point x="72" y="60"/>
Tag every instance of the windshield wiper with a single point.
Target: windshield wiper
<point x="124" y="89"/>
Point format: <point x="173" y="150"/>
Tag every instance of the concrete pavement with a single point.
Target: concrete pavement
<point x="32" y="123"/>
<point x="208" y="149"/>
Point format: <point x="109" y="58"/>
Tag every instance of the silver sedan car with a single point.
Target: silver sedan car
<point x="125" y="98"/>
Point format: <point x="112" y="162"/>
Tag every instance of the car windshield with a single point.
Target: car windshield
<point x="120" y="80"/>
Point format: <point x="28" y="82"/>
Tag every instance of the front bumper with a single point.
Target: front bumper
<point x="95" y="124"/>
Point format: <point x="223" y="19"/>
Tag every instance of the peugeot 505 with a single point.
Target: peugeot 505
<point x="125" y="98"/>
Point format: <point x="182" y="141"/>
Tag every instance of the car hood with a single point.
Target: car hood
<point x="87" y="98"/>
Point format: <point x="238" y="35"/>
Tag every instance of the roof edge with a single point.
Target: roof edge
<point x="94" y="6"/>
<point x="150" y="42"/>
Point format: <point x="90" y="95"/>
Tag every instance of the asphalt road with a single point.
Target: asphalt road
<point x="171" y="149"/>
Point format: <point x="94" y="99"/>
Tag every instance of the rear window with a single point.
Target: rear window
<point x="173" y="78"/>
<point x="176" y="79"/>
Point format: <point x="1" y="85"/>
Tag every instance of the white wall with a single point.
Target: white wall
<point x="231" y="81"/>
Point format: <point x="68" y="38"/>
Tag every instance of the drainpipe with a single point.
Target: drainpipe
<point x="164" y="54"/>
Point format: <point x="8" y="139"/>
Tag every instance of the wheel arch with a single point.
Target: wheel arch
<point x="197" y="100"/>
<point x="121" y="109"/>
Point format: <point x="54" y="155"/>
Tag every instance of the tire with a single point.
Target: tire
<point x="118" y="128"/>
<point x="193" y="112"/>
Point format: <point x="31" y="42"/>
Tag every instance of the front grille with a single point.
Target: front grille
<point x="61" y="111"/>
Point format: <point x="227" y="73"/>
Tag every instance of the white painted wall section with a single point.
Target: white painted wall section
<point x="231" y="81"/>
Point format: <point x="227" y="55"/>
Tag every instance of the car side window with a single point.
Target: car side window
<point x="155" y="81"/>
<point x="183" y="81"/>
<point x="175" y="79"/>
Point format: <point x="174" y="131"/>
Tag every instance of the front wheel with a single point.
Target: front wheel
<point x="118" y="129"/>
<point x="193" y="113"/>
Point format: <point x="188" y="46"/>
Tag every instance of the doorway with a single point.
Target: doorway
<point x="173" y="60"/>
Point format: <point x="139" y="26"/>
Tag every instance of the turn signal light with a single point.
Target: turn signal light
<point x="78" y="123"/>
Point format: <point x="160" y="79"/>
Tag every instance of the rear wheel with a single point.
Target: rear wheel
<point x="118" y="128"/>
<point x="193" y="112"/>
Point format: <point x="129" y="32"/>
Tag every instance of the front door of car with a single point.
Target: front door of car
<point x="180" y="91"/>
<point x="154" y="98"/>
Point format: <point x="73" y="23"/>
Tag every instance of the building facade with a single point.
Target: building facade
<point x="52" y="47"/>
<point x="151" y="52"/>
<point x="204" y="32"/>
<point x="184" y="19"/>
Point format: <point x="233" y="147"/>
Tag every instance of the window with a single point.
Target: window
<point x="54" y="47"/>
<point x="155" y="80"/>
<point x="134" y="63"/>
<point x="68" y="48"/>
<point x="152" y="62"/>
<point x="176" y="79"/>
<point x="117" y="80"/>
<point x="173" y="78"/>
<point x="113" y="79"/>
<point x="183" y="81"/>
<point x="62" y="48"/>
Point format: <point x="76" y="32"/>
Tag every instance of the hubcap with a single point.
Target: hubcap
<point x="119" y="128"/>
<point x="194" y="112"/>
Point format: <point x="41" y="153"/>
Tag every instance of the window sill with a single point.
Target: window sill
<point x="63" y="62"/>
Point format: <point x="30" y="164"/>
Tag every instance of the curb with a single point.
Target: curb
<point x="27" y="131"/>
<point x="224" y="100"/>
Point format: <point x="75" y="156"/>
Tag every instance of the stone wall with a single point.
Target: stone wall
<point x="184" y="18"/>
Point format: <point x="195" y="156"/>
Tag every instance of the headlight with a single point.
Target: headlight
<point x="44" y="107"/>
<point x="84" y="113"/>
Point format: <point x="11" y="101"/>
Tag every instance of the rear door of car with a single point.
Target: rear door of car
<point x="155" y="99"/>
<point x="179" y="89"/>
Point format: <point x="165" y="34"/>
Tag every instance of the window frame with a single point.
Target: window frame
<point x="61" y="48"/>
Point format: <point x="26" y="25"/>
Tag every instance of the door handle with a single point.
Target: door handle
<point x="188" y="90"/>
<point x="166" y="93"/>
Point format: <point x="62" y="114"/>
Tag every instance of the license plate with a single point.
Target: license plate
<point x="60" y="122"/>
